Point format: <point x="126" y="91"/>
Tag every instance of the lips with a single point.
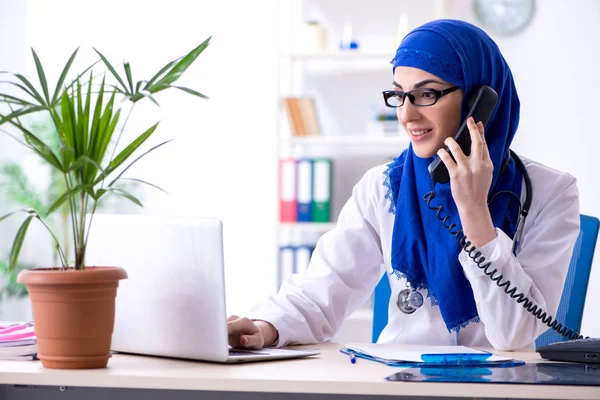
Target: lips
<point x="419" y="134"/>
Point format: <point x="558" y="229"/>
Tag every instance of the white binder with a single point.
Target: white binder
<point x="302" y="259"/>
<point x="286" y="263"/>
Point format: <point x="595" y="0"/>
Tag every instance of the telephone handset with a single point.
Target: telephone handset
<point x="481" y="107"/>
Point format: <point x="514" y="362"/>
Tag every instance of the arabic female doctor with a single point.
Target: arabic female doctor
<point x="386" y="227"/>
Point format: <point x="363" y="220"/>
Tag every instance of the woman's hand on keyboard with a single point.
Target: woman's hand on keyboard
<point x="249" y="334"/>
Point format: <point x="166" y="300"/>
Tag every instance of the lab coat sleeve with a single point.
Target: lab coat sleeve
<point x="538" y="270"/>
<point x="343" y="272"/>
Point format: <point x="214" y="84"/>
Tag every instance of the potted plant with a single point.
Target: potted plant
<point x="73" y="305"/>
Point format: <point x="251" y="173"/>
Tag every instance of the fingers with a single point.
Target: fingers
<point x="485" y="149"/>
<point x="477" y="144"/>
<point x="456" y="151"/>
<point x="448" y="161"/>
<point x="252" y="341"/>
<point x="242" y="332"/>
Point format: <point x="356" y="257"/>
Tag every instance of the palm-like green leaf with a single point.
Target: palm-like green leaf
<point x="89" y="143"/>
<point x="41" y="76"/>
<point x="140" y="181"/>
<point x="178" y="69"/>
<point x="64" y="198"/>
<point x="149" y="96"/>
<point x="83" y="161"/>
<point x="32" y="89"/>
<point x="67" y="155"/>
<point x="125" y="153"/>
<point x="14" y="115"/>
<point x="191" y="91"/>
<point x="18" y="242"/>
<point x="113" y="71"/>
<point x="63" y="76"/>
<point x="18" y="85"/>
<point x="40" y="148"/>
<point x="160" y="73"/>
<point x="119" y="192"/>
<point x="162" y="80"/>
<point x="27" y="210"/>
<point x="15" y="100"/>
<point x="127" y="68"/>
<point x="139" y="158"/>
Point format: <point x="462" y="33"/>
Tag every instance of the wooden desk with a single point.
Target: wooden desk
<point x="330" y="375"/>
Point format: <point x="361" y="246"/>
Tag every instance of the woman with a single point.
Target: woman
<point x="387" y="226"/>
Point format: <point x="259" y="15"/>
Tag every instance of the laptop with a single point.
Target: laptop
<point x="173" y="302"/>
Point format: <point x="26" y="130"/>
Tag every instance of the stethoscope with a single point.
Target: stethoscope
<point x="409" y="299"/>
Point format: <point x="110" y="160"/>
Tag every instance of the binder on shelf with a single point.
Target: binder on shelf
<point x="302" y="258"/>
<point x="321" y="203"/>
<point x="304" y="189"/>
<point x="287" y="190"/>
<point x="286" y="263"/>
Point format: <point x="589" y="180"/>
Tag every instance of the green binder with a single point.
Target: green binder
<point x="321" y="181"/>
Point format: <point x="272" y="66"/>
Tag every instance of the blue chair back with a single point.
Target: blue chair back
<point x="381" y="301"/>
<point x="570" y="309"/>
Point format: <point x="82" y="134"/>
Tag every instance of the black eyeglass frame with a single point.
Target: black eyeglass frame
<point x="438" y="94"/>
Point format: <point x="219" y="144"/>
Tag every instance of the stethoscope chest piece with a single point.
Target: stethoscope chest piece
<point x="409" y="300"/>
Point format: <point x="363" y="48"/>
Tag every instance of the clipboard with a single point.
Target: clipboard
<point x="429" y="356"/>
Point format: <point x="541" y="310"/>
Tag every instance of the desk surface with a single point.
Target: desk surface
<point x="329" y="373"/>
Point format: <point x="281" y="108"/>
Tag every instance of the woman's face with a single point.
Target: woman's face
<point x="427" y="127"/>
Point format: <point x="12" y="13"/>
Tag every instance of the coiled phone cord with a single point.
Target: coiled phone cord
<point x="476" y="256"/>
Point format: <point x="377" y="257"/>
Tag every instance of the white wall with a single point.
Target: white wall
<point x="12" y="58"/>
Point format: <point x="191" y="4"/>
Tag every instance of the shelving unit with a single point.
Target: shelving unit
<point x="346" y="87"/>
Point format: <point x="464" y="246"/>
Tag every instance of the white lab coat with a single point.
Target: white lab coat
<point x="349" y="260"/>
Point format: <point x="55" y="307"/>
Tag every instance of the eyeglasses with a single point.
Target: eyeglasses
<point x="417" y="97"/>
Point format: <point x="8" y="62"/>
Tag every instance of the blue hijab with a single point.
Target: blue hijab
<point x="422" y="249"/>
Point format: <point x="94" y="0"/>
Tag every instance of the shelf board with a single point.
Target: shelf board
<point x="346" y="141"/>
<point x="308" y="226"/>
<point x="338" y="55"/>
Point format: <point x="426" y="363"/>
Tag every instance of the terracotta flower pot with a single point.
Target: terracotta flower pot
<point x="73" y="314"/>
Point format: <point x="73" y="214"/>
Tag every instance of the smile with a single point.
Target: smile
<point x="421" y="134"/>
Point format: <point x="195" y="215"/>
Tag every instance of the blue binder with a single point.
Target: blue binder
<point x="304" y="190"/>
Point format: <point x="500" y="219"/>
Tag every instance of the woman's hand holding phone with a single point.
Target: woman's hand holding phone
<point x="470" y="181"/>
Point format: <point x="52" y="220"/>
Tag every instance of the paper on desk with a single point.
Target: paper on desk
<point x="412" y="353"/>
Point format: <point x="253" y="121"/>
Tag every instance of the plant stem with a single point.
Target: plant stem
<point x="80" y="252"/>
<point x="72" y="208"/>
